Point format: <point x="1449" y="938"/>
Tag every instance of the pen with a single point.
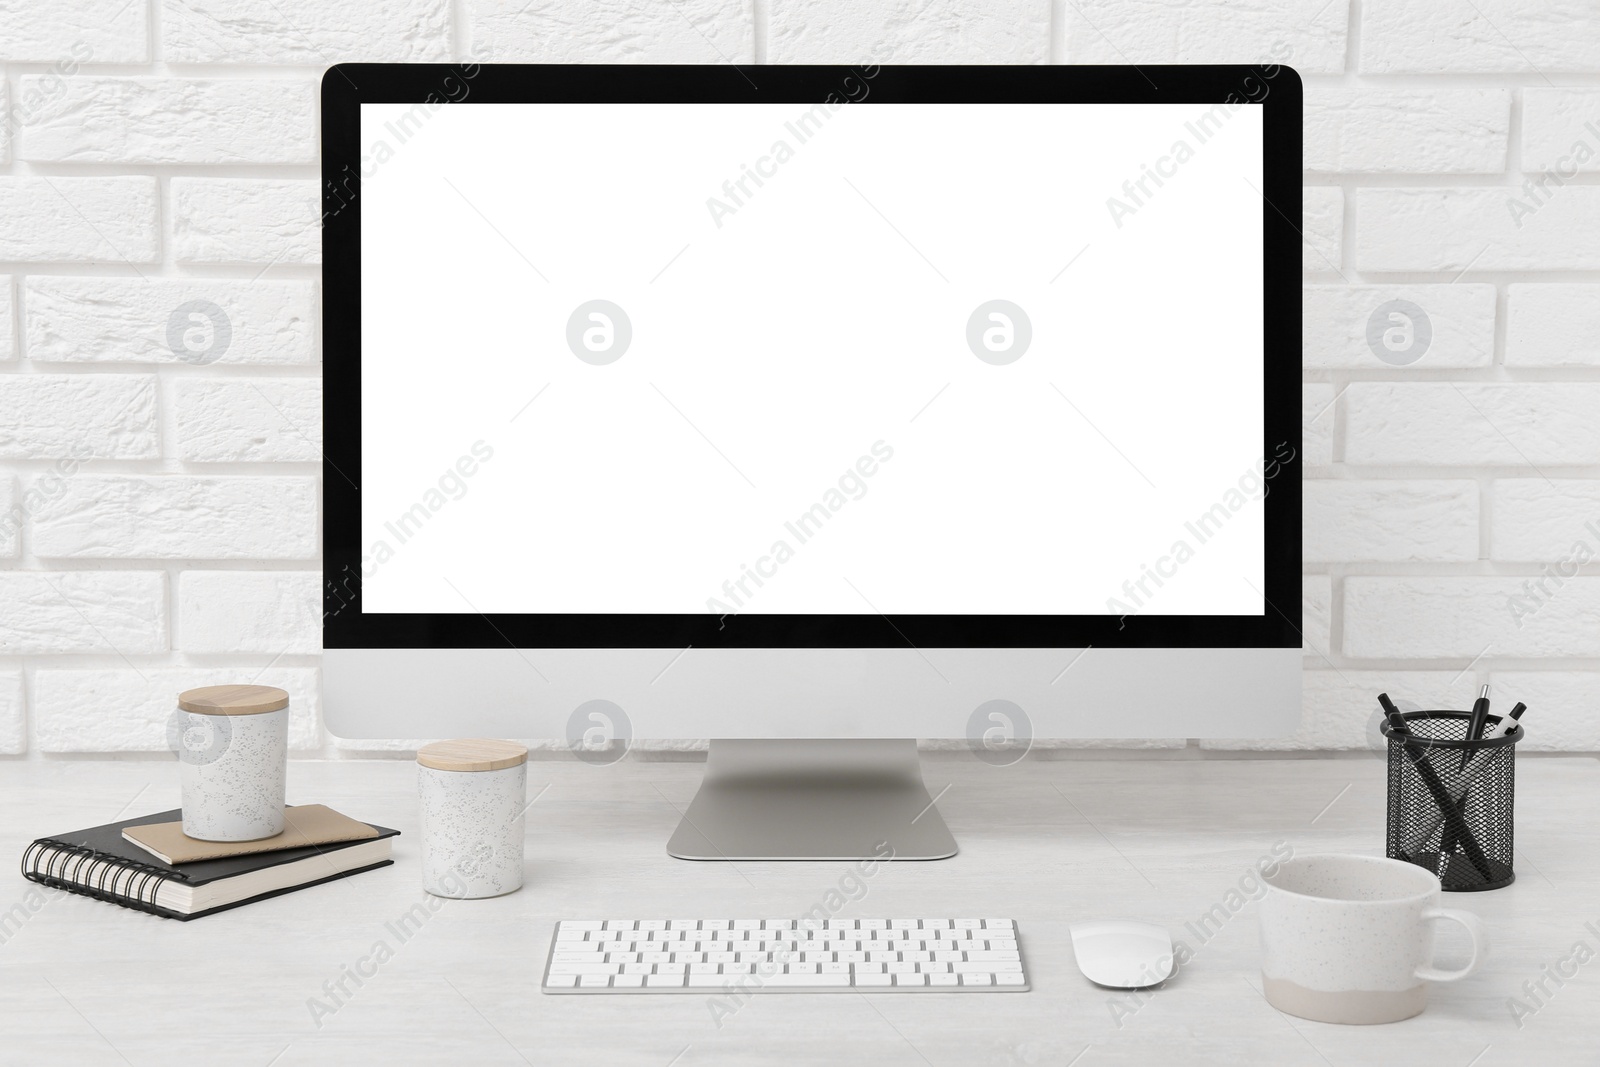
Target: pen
<point x="1475" y="768"/>
<point x="1480" y="715"/>
<point x="1441" y="796"/>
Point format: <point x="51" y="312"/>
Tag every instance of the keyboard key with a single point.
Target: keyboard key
<point x="835" y="968"/>
<point x="670" y="981"/>
<point x="579" y="957"/>
<point x="911" y="979"/>
<point x="985" y="968"/>
<point x="705" y="981"/>
<point x="704" y="968"/>
<point x="967" y="924"/>
<point x="944" y="979"/>
<point x="560" y="981"/>
<point x="582" y="924"/>
<point x="627" y="981"/>
<point x="899" y="968"/>
<point x="584" y="968"/>
<point x="1002" y="955"/>
<point x="812" y="981"/>
<point x="1010" y="979"/>
<point x="874" y="979"/>
<point x="592" y="980"/>
<point x="977" y="979"/>
<point x="652" y="924"/>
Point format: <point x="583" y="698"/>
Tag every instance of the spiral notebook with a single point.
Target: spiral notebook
<point x="100" y="863"/>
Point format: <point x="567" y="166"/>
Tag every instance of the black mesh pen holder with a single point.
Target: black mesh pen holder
<point x="1451" y="801"/>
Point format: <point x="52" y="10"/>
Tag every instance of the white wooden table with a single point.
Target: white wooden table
<point x="1048" y="843"/>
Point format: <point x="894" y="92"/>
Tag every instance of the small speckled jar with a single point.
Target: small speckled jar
<point x="232" y="743"/>
<point x="473" y="795"/>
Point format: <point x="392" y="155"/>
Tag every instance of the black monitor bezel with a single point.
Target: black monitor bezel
<point x="345" y="87"/>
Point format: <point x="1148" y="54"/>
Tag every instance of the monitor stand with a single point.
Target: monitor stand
<point x="812" y="800"/>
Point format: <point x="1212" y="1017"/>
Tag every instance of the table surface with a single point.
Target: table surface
<point x="1047" y="843"/>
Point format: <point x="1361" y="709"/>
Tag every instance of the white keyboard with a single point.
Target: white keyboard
<point x="787" y="955"/>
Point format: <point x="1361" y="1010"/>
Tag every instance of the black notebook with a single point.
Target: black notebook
<point x="100" y="863"/>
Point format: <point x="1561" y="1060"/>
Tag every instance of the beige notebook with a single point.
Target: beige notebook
<point x="303" y="826"/>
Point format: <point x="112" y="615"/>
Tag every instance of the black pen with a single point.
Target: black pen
<point x="1480" y="716"/>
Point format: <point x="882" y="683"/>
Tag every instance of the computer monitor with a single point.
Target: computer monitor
<point x="811" y="410"/>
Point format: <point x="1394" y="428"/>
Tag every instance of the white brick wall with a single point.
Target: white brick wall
<point x="101" y="416"/>
<point x="79" y="220"/>
<point x="612" y="31"/>
<point x="249" y="420"/>
<point x="120" y="613"/>
<point x="159" y="514"/>
<point x="1399" y="521"/>
<point x="277" y="612"/>
<point x="1553" y="325"/>
<point x="1461" y="318"/>
<point x="245" y="220"/>
<point x="46" y="31"/>
<point x="178" y="516"/>
<point x="118" y="320"/>
<point x="173" y="120"/>
<point x="1555" y="122"/>
<point x="1406" y="131"/>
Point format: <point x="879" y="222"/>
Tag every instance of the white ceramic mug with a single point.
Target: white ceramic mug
<point x="232" y="743"/>
<point x="1349" y="939"/>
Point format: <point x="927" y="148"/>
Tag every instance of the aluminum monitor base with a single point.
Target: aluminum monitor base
<point x="812" y="800"/>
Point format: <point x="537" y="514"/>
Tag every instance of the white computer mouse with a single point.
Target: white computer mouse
<point x="1123" y="953"/>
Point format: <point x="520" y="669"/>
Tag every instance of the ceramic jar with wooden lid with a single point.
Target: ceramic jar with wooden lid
<point x="473" y="797"/>
<point x="232" y="743"/>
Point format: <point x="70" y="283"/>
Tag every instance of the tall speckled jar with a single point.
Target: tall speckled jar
<point x="473" y="795"/>
<point x="232" y="743"/>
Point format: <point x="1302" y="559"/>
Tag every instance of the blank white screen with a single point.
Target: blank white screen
<point x="776" y="344"/>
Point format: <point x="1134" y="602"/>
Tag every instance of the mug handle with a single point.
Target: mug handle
<point x="1475" y="930"/>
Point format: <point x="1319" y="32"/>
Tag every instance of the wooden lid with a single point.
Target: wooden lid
<point x="233" y="699"/>
<point x="472" y="754"/>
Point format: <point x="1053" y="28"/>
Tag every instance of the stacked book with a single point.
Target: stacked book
<point x="149" y="865"/>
